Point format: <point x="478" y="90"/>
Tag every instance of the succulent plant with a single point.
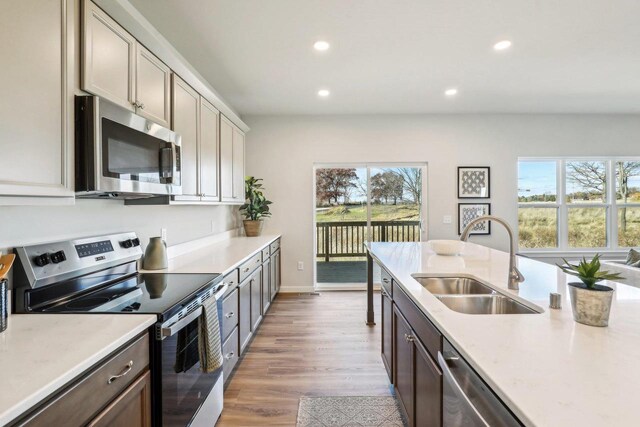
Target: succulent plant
<point x="589" y="271"/>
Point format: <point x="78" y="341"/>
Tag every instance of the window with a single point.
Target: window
<point x="571" y="204"/>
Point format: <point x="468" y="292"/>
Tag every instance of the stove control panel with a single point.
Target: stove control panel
<point x="51" y="262"/>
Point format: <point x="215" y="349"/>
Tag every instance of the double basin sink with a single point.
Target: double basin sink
<point x="470" y="296"/>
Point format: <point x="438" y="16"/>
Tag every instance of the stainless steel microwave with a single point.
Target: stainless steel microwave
<point x="122" y="155"/>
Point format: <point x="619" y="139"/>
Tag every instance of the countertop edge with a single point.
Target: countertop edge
<point x="31" y="402"/>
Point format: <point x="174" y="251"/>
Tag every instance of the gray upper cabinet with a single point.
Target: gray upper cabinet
<point x="186" y="106"/>
<point x="231" y="162"/>
<point x="109" y="58"/>
<point x="209" y="118"/>
<point x="36" y="112"/>
<point x="118" y="68"/>
<point x="152" y="87"/>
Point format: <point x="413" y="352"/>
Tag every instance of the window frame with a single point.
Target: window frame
<point x="562" y="228"/>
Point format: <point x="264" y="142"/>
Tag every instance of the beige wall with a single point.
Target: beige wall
<point x="283" y="150"/>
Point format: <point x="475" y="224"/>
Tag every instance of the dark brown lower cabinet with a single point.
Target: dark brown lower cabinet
<point x="244" y="327"/>
<point x="417" y="378"/>
<point x="131" y="408"/>
<point x="387" y="333"/>
<point x="256" y="299"/>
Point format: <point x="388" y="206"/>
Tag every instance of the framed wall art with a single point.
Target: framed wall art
<point x="469" y="211"/>
<point x="474" y="182"/>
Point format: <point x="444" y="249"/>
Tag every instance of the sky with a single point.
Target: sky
<point x="536" y="178"/>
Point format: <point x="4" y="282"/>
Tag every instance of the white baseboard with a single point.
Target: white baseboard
<point x="296" y="289"/>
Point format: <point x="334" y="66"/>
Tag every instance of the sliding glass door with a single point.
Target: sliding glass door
<point x="355" y="204"/>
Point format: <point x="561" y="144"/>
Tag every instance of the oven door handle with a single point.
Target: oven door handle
<point x="175" y="327"/>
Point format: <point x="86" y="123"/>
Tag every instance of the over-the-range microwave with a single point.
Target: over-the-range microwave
<point x="122" y="155"/>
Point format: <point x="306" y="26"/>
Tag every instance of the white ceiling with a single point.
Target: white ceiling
<point x="398" y="56"/>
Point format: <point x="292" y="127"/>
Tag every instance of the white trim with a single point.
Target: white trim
<point x="295" y="289"/>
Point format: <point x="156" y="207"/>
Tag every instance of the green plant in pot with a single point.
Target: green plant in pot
<point x="590" y="302"/>
<point x="255" y="208"/>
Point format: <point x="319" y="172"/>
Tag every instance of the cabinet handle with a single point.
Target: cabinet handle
<point x="229" y="315"/>
<point x="230" y="282"/>
<point x="384" y="294"/>
<point x="246" y="270"/>
<point x="385" y="280"/>
<point x="409" y="338"/>
<point x="126" y="370"/>
<point x="141" y="106"/>
<point x="229" y="356"/>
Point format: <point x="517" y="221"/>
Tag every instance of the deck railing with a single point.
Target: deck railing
<point x="347" y="238"/>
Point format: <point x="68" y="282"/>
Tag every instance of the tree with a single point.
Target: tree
<point x="592" y="177"/>
<point x="331" y="184"/>
<point x="387" y="185"/>
<point x="412" y="181"/>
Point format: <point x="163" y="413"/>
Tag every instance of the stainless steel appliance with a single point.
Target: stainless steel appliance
<point x="122" y="155"/>
<point x="467" y="400"/>
<point x="99" y="275"/>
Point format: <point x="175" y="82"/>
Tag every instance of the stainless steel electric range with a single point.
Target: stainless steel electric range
<point x="100" y="275"/>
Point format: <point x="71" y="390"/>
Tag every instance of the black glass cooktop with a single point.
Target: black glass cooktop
<point x="151" y="293"/>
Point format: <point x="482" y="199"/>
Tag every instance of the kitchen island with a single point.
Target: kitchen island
<point x="546" y="368"/>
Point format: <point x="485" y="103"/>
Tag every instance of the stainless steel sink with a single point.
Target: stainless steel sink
<point x="484" y="304"/>
<point x="453" y="286"/>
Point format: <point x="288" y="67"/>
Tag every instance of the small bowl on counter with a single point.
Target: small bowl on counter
<point x="446" y="247"/>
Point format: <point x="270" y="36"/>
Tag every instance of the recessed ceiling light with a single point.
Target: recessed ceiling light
<point x="321" y="45"/>
<point x="323" y="93"/>
<point x="451" y="92"/>
<point x="502" y="45"/>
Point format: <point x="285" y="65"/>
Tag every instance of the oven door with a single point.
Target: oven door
<point x="131" y="154"/>
<point x="184" y="387"/>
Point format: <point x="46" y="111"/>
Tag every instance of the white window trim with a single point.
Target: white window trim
<point x="611" y="207"/>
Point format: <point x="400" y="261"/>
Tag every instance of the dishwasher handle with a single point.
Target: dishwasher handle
<point x="469" y="409"/>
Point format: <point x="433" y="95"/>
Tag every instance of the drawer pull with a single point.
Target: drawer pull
<point x="126" y="370"/>
<point x="408" y="337"/>
<point x="246" y="270"/>
<point x="229" y="315"/>
<point x="230" y="282"/>
<point x="230" y="355"/>
<point x="385" y="280"/>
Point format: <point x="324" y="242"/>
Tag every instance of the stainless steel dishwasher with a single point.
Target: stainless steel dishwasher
<point x="467" y="400"/>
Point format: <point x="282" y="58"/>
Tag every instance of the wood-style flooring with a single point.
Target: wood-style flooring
<point x="308" y="345"/>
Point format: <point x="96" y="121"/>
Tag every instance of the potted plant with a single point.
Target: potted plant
<point x="590" y="302"/>
<point x="255" y="208"/>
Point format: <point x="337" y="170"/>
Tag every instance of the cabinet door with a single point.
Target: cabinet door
<point x="387" y="333"/>
<point x="226" y="159"/>
<point x="427" y="388"/>
<point x="36" y="111"/>
<point x="186" y="105"/>
<point x="245" y="313"/>
<point x="266" y="285"/>
<point x="109" y="55"/>
<point x="278" y="269"/>
<point x="272" y="276"/>
<point x="403" y="361"/>
<point x="209" y="116"/>
<point x="153" y="83"/>
<point x="131" y="409"/>
<point x="238" y="165"/>
<point x="256" y="299"/>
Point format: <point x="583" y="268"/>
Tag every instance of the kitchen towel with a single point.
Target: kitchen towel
<point x="209" y="340"/>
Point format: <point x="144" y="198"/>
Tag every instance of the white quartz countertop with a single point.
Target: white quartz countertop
<point x="548" y="369"/>
<point x="40" y="353"/>
<point x="220" y="257"/>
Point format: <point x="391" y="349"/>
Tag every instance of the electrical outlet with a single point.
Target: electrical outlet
<point x="300" y="265"/>
<point x="163" y="234"/>
<point x="447" y="219"/>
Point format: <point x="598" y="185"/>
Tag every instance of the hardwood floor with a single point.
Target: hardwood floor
<point x="307" y="346"/>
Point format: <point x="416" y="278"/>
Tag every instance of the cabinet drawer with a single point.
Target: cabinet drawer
<point x="229" y="313"/>
<point x="247" y="267"/>
<point x="84" y="400"/>
<point x="231" y="279"/>
<point x="230" y="353"/>
<point x="275" y="246"/>
<point x="266" y="252"/>
<point x="386" y="282"/>
<point x="422" y="326"/>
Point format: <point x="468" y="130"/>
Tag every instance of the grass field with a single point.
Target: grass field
<point x="400" y="212"/>
<point x="587" y="228"/>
